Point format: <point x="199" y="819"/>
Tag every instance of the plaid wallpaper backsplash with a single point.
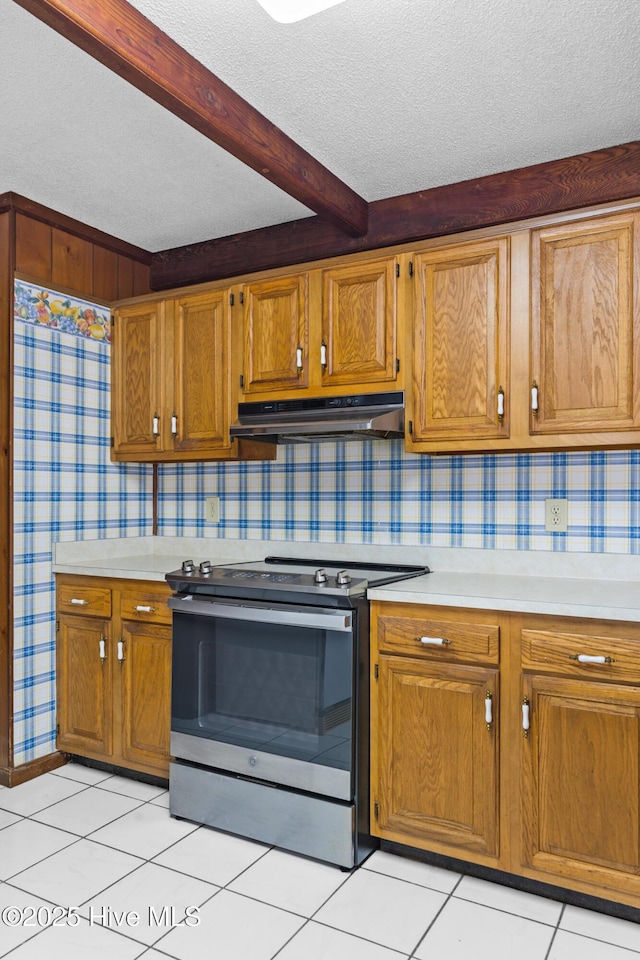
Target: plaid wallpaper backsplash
<point x="65" y="488"/>
<point x="374" y="492"/>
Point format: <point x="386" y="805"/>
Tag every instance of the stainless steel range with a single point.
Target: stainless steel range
<point x="270" y="701"/>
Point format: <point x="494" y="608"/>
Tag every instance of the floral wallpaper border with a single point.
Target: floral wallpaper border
<point x="49" y="308"/>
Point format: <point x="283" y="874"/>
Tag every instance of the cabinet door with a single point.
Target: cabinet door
<point x="359" y="324"/>
<point x="581" y="779"/>
<point x="461" y="342"/>
<point x="144" y="666"/>
<point x="276" y="332"/>
<point x="585" y="326"/>
<point x="200" y="418"/>
<point x="435" y="757"/>
<point x="136" y="380"/>
<point x="84" y="688"/>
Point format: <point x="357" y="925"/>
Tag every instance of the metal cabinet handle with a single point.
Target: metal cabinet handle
<point x="585" y="658"/>
<point x="299" y="360"/>
<point x="534" y="397"/>
<point x="156" y="425"/>
<point x="103" y="649"/>
<point x="525" y="717"/>
<point x="140" y="608"/>
<point x="121" y="656"/>
<point x="500" y="404"/>
<point x="80" y="603"/>
<point x="488" y="709"/>
<point x="174" y="425"/>
<point x="323" y="356"/>
<point x="434" y="641"/>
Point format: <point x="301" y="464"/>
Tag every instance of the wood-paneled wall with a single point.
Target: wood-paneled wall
<point x="6" y="489"/>
<point x="44" y="247"/>
<point x="60" y="259"/>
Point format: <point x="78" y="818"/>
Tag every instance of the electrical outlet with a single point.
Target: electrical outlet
<point x="555" y="516"/>
<point x="212" y="509"/>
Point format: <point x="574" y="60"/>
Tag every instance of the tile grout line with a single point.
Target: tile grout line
<point x="553" y="936"/>
<point x="449" y="897"/>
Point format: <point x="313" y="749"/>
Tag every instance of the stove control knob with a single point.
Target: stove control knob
<point x="343" y="578"/>
<point x="205" y="568"/>
<point x="187" y="566"/>
<point x="320" y="576"/>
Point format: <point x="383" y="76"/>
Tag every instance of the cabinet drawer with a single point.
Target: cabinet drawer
<point x="451" y="640"/>
<point x="147" y="602"/>
<point x="91" y="601"/>
<point x="556" y="652"/>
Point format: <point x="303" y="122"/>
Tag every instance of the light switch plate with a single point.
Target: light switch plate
<point x="212" y="509"/>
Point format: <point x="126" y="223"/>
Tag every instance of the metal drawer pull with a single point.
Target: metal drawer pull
<point x="80" y="603"/>
<point x="145" y="609"/>
<point x="299" y="360"/>
<point x="534" y="397"/>
<point x="488" y="709"/>
<point x="585" y="658"/>
<point x="525" y="717"/>
<point x="500" y="404"/>
<point x="121" y="656"/>
<point x="103" y="649"/>
<point x="434" y="641"/>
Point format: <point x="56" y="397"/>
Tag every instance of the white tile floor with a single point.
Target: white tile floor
<point x="139" y="880"/>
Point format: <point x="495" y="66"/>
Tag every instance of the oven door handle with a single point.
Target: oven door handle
<point x="336" y="620"/>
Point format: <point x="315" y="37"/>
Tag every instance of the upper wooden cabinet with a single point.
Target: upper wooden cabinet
<point x="529" y="341"/>
<point x="585" y="332"/>
<point x="359" y="328"/>
<point x="137" y="383"/>
<point x="460" y="342"/>
<point x="325" y="330"/>
<point x="171" y="381"/>
<point x="276" y="334"/>
<point x="200" y="417"/>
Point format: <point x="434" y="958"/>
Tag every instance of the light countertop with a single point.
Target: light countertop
<point x="600" y="599"/>
<point x="600" y="586"/>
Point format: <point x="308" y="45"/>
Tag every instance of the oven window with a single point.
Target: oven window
<point x="282" y="689"/>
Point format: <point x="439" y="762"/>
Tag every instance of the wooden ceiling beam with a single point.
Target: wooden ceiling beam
<point x="584" y="180"/>
<point x="121" y="38"/>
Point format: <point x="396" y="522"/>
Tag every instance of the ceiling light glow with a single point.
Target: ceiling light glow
<point x="288" y="11"/>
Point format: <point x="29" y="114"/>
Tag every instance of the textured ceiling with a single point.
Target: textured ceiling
<point x="391" y="95"/>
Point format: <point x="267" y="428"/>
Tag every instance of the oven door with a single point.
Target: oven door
<point x="265" y="691"/>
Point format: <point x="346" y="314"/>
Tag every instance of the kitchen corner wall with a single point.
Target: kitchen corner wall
<point x="373" y="492"/>
<point x="65" y="487"/>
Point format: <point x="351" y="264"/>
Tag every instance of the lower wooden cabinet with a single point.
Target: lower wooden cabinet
<point x="435" y="741"/>
<point x="114" y="671"/>
<point x="437" y="769"/>
<point x="534" y="769"/>
<point x="580" y="753"/>
<point x="581" y="777"/>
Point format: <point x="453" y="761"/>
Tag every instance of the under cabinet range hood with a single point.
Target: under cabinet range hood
<point x="309" y="420"/>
